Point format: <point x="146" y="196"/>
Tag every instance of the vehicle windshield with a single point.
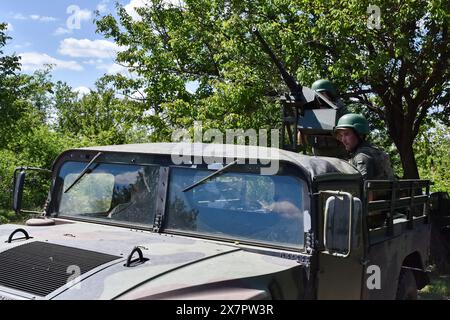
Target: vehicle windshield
<point x="237" y="206"/>
<point x="241" y="206"/>
<point x="115" y="192"/>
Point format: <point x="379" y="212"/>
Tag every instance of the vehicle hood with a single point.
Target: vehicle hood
<point x="89" y="261"/>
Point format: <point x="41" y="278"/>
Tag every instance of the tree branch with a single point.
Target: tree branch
<point x="355" y="94"/>
<point x="439" y="68"/>
<point x="419" y="120"/>
<point x="143" y="99"/>
<point x="365" y="101"/>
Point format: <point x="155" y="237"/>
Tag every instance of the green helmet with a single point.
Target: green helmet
<point x="324" y="85"/>
<point x="354" y="121"/>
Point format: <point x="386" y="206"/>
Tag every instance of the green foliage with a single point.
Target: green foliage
<point x="171" y="48"/>
<point x="397" y="73"/>
<point x="37" y="147"/>
<point x="397" y="76"/>
<point x="10" y="109"/>
<point x="38" y="90"/>
<point x="432" y="150"/>
<point x="39" y="119"/>
<point x="97" y="117"/>
<point x="438" y="289"/>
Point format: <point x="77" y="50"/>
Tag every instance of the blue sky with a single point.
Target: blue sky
<point x="61" y="32"/>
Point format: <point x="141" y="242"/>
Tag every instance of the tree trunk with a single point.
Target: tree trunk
<point x="401" y="131"/>
<point x="408" y="160"/>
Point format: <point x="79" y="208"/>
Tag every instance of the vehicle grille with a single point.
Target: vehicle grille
<point x="40" y="268"/>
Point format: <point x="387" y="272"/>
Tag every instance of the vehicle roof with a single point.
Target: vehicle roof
<point x="312" y="165"/>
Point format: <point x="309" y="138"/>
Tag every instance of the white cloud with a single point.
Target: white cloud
<point x="82" y="91"/>
<point x="19" y="16"/>
<point x="47" y="19"/>
<point x="35" y="17"/>
<point x="101" y="8"/>
<point x="130" y="8"/>
<point x="83" y="14"/>
<point x="113" y="68"/>
<point x="61" y="31"/>
<point x="93" y="62"/>
<point x="89" y="48"/>
<point x="32" y="61"/>
<point x="9" y="27"/>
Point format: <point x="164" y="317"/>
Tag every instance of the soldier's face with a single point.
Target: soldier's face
<point x="348" y="138"/>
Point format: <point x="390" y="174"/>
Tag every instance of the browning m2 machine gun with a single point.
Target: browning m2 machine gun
<point x="303" y="110"/>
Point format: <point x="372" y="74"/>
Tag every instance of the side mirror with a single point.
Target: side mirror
<point x="19" y="185"/>
<point x="342" y="223"/>
<point x="19" y="182"/>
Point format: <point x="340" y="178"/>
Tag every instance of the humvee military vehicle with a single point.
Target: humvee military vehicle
<point x="129" y="222"/>
<point x="135" y="222"/>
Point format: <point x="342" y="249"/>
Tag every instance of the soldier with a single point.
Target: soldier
<point x="373" y="163"/>
<point x="326" y="88"/>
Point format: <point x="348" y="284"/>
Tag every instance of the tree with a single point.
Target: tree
<point x="39" y="91"/>
<point x="169" y="49"/>
<point x="10" y="110"/>
<point x="432" y="150"/>
<point x="25" y="137"/>
<point x="401" y="70"/>
<point x="98" y="117"/>
<point x="398" y="72"/>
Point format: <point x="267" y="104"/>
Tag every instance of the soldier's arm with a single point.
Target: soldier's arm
<point x="364" y="164"/>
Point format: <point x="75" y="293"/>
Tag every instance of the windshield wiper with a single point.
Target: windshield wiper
<point x="85" y="170"/>
<point x="212" y="175"/>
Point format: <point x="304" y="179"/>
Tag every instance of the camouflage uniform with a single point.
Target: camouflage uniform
<point x="373" y="163"/>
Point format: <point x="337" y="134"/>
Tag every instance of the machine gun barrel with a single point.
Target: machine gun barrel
<point x="304" y="111"/>
<point x="292" y="106"/>
<point x="293" y="86"/>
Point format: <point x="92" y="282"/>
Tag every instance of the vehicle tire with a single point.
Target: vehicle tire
<point x="407" y="287"/>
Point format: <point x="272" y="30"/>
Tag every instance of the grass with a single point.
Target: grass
<point x="11" y="217"/>
<point x="438" y="289"/>
<point x="6" y="216"/>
